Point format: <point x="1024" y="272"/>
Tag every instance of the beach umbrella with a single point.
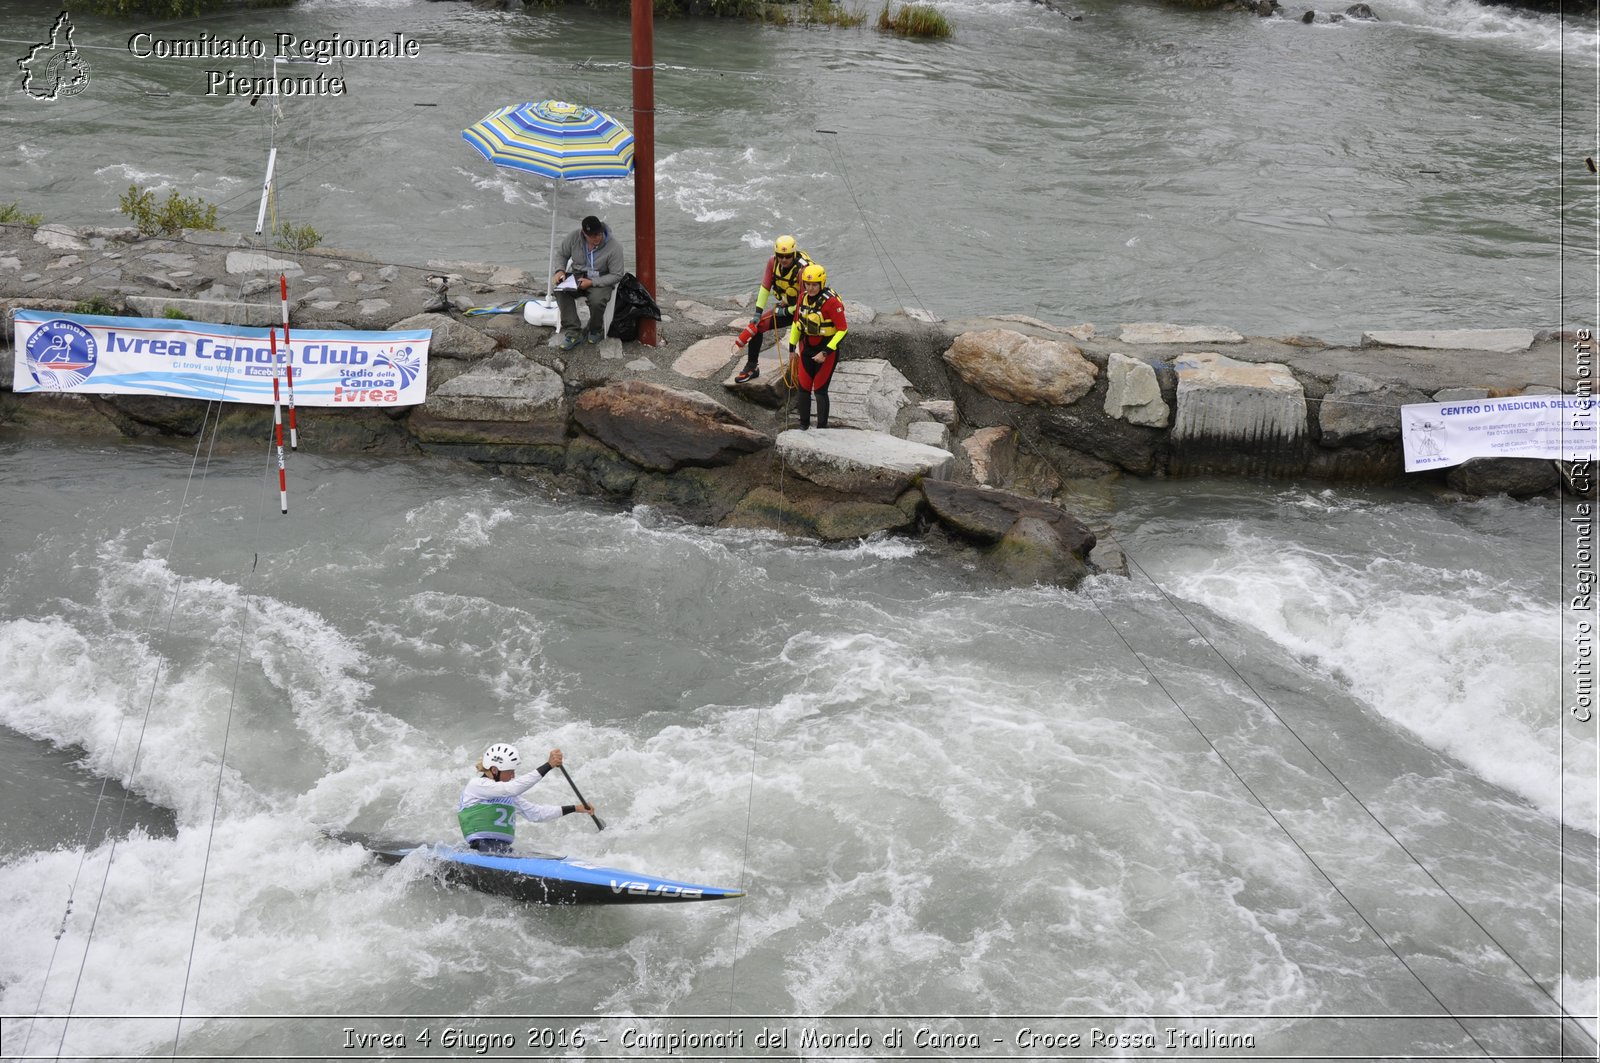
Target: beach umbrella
<point x="556" y="140"/>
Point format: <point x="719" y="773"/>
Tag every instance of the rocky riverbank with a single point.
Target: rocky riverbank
<point x="983" y="433"/>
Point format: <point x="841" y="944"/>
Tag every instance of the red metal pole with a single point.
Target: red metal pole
<point x="644" y="154"/>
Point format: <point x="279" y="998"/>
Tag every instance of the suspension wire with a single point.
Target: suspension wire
<point x="222" y="759"/>
<point x="116" y="739"/>
<point x="885" y="259"/>
<point x="1287" y="833"/>
<point x="883" y="253"/>
<point x="1307" y="747"/>
<point x="744" y="858"/>
<point x="144" y="723"/>
<point x="1287" y="726"/>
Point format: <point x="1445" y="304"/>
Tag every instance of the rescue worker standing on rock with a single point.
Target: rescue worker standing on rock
<point x="818" y="329"/>
<point x="780" y="285"/>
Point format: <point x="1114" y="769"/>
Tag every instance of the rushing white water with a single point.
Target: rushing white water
<point x="942" y="797"/>
<point x="1319" y="767"/>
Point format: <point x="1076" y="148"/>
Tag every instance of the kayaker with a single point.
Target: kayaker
<point x="490" y="803"/>
<point x="780" y="285"/>
<point x="818" y="329"/>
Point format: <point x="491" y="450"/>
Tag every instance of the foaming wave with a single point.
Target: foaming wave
<point x="518" y="191"/>
<point x="703" y="186"/>
<point x="1445" y="654"/>
<point x="896" y="782"/>
<point x="1469" y="19"/>
<point x="126" y="172"/>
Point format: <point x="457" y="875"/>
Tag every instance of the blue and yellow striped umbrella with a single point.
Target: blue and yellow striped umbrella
<point x="555" y="139"/>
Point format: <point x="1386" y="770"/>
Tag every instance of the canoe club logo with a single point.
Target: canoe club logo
<point x="53" y="68"/>
<point x="61" y="355"/>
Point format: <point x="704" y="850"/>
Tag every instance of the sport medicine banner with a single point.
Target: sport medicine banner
<point x="89" y="354"/>
<point x="1437" y="435"/>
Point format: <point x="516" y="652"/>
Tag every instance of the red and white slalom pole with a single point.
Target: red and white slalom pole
<point x="277" y="425"/>
<point x="283" y="291"/>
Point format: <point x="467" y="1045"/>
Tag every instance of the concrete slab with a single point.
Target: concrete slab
<point x="867" y="393"/>
<point x="873" y="465"/>
<point x="1154" y="332"/>
<point x="1496" y="340"/>
<point x="255" y="262"/>
<point x="707" y="358"/>
<point x="1223" y="400"/>
<point x="252" y="315"/>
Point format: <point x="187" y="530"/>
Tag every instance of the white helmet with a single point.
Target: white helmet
<point x="502" y="756"/>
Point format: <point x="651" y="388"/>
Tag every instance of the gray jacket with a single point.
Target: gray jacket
<point x="608" y="267"/>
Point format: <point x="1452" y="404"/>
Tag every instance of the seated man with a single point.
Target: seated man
<point x="593" y="258"/>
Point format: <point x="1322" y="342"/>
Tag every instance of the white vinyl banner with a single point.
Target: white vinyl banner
<point x="89" y="354"/>
<point x="1437" y="435"/>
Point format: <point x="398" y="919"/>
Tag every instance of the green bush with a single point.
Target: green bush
<point x="176" y="214"/>
<point x="95" y="305"/>
<point x="172" y="312"/>
<point x="298" y="237"/>
<point x="11" y="212"/>
<point x="828" y="13"/>
<point x="914" y="20"/>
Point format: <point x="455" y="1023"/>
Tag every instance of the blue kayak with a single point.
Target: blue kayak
<point x="542" y="878"/>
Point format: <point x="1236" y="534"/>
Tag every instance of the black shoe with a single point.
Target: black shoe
<point x="593" y="337"/>
<point x="749" y="372"/>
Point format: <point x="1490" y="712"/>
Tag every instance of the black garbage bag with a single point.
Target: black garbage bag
<point x="633" y="303"/>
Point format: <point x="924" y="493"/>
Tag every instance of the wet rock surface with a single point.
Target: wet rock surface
<point x="982" y="430"/>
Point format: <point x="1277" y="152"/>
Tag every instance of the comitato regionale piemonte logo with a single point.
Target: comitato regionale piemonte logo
<point x="53" y="68"/>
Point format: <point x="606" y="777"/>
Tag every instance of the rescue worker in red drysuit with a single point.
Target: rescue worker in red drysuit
<point x="780" y="286"/>
<point x="818" y="329"/>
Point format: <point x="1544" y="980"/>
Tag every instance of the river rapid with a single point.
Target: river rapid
<point x="1143" y="164"/>
<point x="1304" y="786"/>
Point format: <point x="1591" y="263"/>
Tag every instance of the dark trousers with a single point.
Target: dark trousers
<point x="781" y="320"/>
<point x="596" y="297"/>
<point x="816" y="369"/>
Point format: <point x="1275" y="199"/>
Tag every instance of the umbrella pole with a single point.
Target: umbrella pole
<point x="550" y="273"/>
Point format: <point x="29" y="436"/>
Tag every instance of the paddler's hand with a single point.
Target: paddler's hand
<point x="554" y="760"/>
<point x="755" y="317"/>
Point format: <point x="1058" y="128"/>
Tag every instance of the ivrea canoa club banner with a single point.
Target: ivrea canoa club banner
<point x="90" y="354"/>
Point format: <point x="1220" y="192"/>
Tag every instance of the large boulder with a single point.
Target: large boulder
<point x="1033" y="550"/>
<point x="660" y="428"/>
<point x="1009" y="366"/>
<point x="873" y="466"/>
<point x="506" y="400"/>
<point x="451" y="338"/>
<point x="1359" y="410"/>
<point x="1517" y="477"/>
<point x="1133" y="393"/>
<point x="988" y="516"/>
<point x="992" y="453"/>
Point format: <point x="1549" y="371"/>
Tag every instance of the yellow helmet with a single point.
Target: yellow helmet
<point x="814" y="272"/>
<point x="784" y="245"/>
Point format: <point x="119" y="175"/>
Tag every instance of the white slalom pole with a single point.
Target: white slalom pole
<point x="266" y="190"/>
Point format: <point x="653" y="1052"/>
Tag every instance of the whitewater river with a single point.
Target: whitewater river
<point x="1305" y="786"/>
